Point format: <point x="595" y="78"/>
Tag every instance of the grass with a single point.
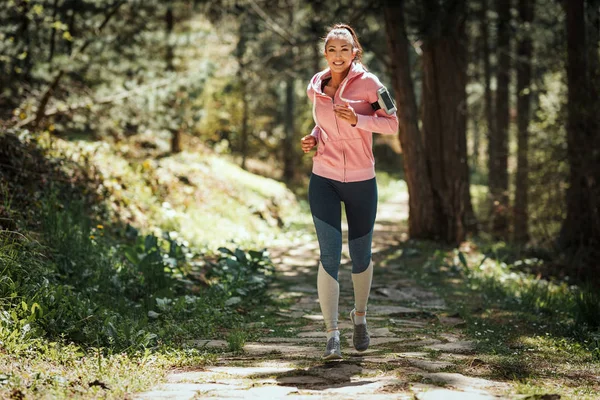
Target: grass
<point x="536" y="333"/>
<point x="100" y="299"/>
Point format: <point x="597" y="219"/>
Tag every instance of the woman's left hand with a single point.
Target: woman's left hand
<point x="345" y="112"/>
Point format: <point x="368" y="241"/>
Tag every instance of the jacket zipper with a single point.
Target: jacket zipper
<point x="344" y="154"/>
<point x="339" y="134"/>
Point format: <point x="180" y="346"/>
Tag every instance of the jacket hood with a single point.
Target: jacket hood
<point x="356" y="69"/>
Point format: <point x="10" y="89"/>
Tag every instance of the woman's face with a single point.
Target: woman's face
<point x="339" y="54"/>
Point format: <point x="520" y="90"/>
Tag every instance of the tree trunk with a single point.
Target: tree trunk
<point x="53" y="32"/>
<point x="175" y="141"/>
<point x="498" y="168"/>
<point x="421" y="218"/>
<point x="593" y="18"/>
<point x="444" y="118"/>
<point x="72" y="26"/>
<point x="169" y="30"/>
<point x="24" y="34"/>
<point x="289" y="165"/>
<point x="244" y="132"/>
<point x="169" y="24"/>
<point x="487" y="76"/>
<point x="524" y="51"/>
<point x="581" y="228"/>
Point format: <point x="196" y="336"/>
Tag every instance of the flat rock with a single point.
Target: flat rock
<point x="375" y="341"/>
<point x="261" y="392"/>
<point x="255" y="348"/>
<point x="420" y="342"/>
<point x="377" y="360"/>
<point x="431" y="366"/>
<point x="408" y="322"/>
<point x="178" y="391"/>
<point x="313" y="317"/>
<point x="463" y="382"/>
<point x="249" y="371"/>
<point x="380" y="332"/>
<point x="294" y="314"/>
<point x="393" y="311"/>
<point x="304" y="288"/>
<point x="411" y="354"/>
<point x="298" y="340"/>
<point x="392" y="294"/>
<point x="452" y="321"/>
<point x="302" y="380"/>
<point x="463" y="346"/>
<point x="313" y="334"/>
<point x="445" y="394"/>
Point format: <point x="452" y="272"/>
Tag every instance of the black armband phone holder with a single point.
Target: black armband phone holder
<point x="384" y="101"/>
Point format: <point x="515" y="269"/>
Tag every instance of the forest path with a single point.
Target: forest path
<point x="416" y="348"/>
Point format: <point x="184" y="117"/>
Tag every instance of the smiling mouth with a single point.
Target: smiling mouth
<point x="339" y="63"/>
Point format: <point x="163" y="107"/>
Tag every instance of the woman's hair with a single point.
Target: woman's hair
<point x="347" y="32"/>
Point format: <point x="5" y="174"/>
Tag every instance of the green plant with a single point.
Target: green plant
<point x="587" y="306"/>
<point x="236" y="339"/>
<point x="242" y="277"/>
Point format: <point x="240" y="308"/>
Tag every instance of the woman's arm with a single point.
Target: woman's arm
<point x="380" y="122"/>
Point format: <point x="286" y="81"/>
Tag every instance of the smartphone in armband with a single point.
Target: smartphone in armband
<point x="385" y="101"/>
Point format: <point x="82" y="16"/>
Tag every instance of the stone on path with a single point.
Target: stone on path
<point x="261" y="392"/>
<point x="299" y="340"/>
<point x="251" y="371"/>
<point x="398" y="311"/>
<point x="445" y="394"/>
<point x="463" y="346"/>
<point x="291" y="314"/>
<point x="452" y="321"/>
<point x="463" y="382"/>
<point x="304" y="289"/>
<point x="180" y="391"/>
<point x="431" y="366"/>
<point x="256" y="349"/>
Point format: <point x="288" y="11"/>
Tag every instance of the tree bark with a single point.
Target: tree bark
<point x="53" y="32"/>
<point x="244" y="131"/>
<point x="289" y="164"/>
<point x="498" y="163"/>
<point x="24" y="34"/>
<point x="581" y="228"/>
<point x="421" y="217"/>
<point x="524" y="53"/>
<point x="71" y="26"/>
<point x="487" y="76"/>
<point x="169" y="30"/>
<point x="444" y="118"/>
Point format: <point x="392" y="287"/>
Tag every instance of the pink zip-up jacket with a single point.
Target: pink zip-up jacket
<point x="345" y="152"/>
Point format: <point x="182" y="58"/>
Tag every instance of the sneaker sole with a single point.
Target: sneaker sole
<point x="332" y="357"/>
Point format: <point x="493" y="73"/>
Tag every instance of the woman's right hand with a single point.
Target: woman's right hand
<point x="308" y="142"/>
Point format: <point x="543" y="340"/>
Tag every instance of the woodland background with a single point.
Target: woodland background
<point x="117" y="115"/>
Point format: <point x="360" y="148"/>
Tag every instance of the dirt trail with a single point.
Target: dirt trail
<point x="415" y="345"/>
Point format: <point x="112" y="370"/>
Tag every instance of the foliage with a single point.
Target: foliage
<point x="511" y="284"/>
<point x="80" y="287"/>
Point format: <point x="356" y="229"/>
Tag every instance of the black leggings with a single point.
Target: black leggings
<point x="360" y="199"/>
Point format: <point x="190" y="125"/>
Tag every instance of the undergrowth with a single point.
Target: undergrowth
<point x="93" y="306"/>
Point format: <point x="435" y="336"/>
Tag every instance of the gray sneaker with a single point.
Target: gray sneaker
<point x="333" y="352"/>
<point x="360" y="337"/>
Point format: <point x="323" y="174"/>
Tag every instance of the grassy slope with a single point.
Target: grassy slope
<point x="195" y="197"/>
